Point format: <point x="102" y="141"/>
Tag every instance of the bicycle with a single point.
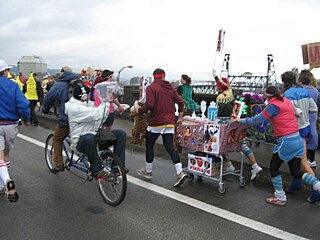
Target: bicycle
<point x="112" y="188"/>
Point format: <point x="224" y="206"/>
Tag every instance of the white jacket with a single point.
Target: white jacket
<point x="84" y="117"/>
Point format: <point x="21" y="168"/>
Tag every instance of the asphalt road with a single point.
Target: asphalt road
<point x="62" y="207"/>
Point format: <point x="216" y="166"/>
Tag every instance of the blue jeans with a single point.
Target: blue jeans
<point x="87" y="144"/>
<point x="120" y="146"/>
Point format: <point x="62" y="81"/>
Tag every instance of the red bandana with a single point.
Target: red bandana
<point x="156" y="76"/>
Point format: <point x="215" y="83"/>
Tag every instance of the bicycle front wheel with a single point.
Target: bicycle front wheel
<point x="113" y="188"/>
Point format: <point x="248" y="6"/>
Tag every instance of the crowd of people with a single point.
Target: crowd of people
<point x="80" y="113"/>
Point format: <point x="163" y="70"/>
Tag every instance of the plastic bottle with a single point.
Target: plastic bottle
<point x="212" y="111"/>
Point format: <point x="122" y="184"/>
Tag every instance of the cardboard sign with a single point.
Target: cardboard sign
<point x="311" y="54"/>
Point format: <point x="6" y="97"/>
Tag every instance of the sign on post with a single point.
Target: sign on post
<point x="311" y="54"/>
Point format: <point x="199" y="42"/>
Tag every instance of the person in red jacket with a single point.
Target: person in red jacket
<point x="161" y="97"/>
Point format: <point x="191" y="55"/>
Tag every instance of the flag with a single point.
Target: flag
<point x="221" y="40"/>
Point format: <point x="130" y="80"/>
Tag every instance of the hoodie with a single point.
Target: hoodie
<point x="160" y="99"/>
<point x="59" y="92"/>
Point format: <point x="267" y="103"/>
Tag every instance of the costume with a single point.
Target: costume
<point x="187" y="94"/>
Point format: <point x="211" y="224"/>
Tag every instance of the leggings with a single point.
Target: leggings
<point x="294" y="165"/>
<point x="167" y="138"/>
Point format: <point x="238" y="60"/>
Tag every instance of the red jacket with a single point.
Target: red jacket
<point x="285" y="122"/>
<point x="160" y="99"/>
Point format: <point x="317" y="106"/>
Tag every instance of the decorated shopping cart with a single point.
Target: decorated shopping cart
<point x="208" y="144"/>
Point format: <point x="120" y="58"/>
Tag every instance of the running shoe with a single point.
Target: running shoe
<point x="255" y="172"/>
<point x="180" y="179"/>
<point x="275" y="201"/>
<point x="144" y="173"/>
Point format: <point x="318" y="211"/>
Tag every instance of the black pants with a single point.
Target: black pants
<point x="32" y="106"/>
<point x="167" y="138"/>
<point x="294" y="165"/>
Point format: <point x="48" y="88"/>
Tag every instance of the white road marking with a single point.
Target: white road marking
<point x="230" y="216"/>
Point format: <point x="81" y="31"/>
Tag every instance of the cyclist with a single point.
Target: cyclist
<point x="59" y="92"/>
<point x="84" y="121"/>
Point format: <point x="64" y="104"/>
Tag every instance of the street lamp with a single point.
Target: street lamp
<point x="118" y="78"/>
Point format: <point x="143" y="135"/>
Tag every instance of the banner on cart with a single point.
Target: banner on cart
<point x="233" y="135"/>
<point x="201" y="137"/>
<point x="200" y="164"/>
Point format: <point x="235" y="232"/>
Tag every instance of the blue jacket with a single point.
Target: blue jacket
<point x="59" y="92"/>
<point x="12" y="101"/>
<point x="301" y="99"/>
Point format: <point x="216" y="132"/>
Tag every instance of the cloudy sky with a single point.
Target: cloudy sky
<point x="179" y="36"/>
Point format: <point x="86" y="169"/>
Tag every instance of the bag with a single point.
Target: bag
<point x="105" y="138"/>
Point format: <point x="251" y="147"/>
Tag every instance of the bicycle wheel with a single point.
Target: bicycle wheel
<point x="49" y="152"/>
<point x="113" y="188"/>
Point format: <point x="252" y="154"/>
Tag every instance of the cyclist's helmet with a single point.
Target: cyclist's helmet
<point x="80" y="90"/>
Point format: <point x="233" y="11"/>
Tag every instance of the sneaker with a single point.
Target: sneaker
<point x="180" y="179"/>
<point x="315" y="197"/>
<point x="11" y="191"/>
<point x="276" y="201"/>
<point x="312" y="164"/>
<point x="103" y="173"/>
<point x="230" y="167"/>
<point x="296" y="185"/>
<point x="57" y="169"/>
<point x="144" y="173"/>
<point x="255" y="172"/>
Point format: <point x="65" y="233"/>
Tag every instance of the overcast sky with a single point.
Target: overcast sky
<point x="179" y="36"/>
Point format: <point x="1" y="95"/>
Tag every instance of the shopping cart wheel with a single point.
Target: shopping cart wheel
<point x="190" y="177"/>
<point x="222" y="188"/>
<point x="242" y="182"/>
<point x="200" y="179"/>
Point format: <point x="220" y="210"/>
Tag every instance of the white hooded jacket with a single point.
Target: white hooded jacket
<point x="84" y="117"/>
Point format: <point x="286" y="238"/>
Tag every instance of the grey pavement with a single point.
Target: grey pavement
<point x="61" y="206"/>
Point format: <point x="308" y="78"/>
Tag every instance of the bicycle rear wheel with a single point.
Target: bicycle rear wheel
<point x="49" y="152"/>
<point x="113" y="188"/>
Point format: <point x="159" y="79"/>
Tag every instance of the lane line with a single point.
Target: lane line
<point x="225" y="214"/>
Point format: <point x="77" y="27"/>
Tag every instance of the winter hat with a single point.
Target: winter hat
<point x="221" y="87"/>
<point x="4" y="65"/>
<point x="66" y="69"/>
<point x="106" y="73"/>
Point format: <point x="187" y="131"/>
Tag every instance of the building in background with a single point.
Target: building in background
<point x="34" y="64"/>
